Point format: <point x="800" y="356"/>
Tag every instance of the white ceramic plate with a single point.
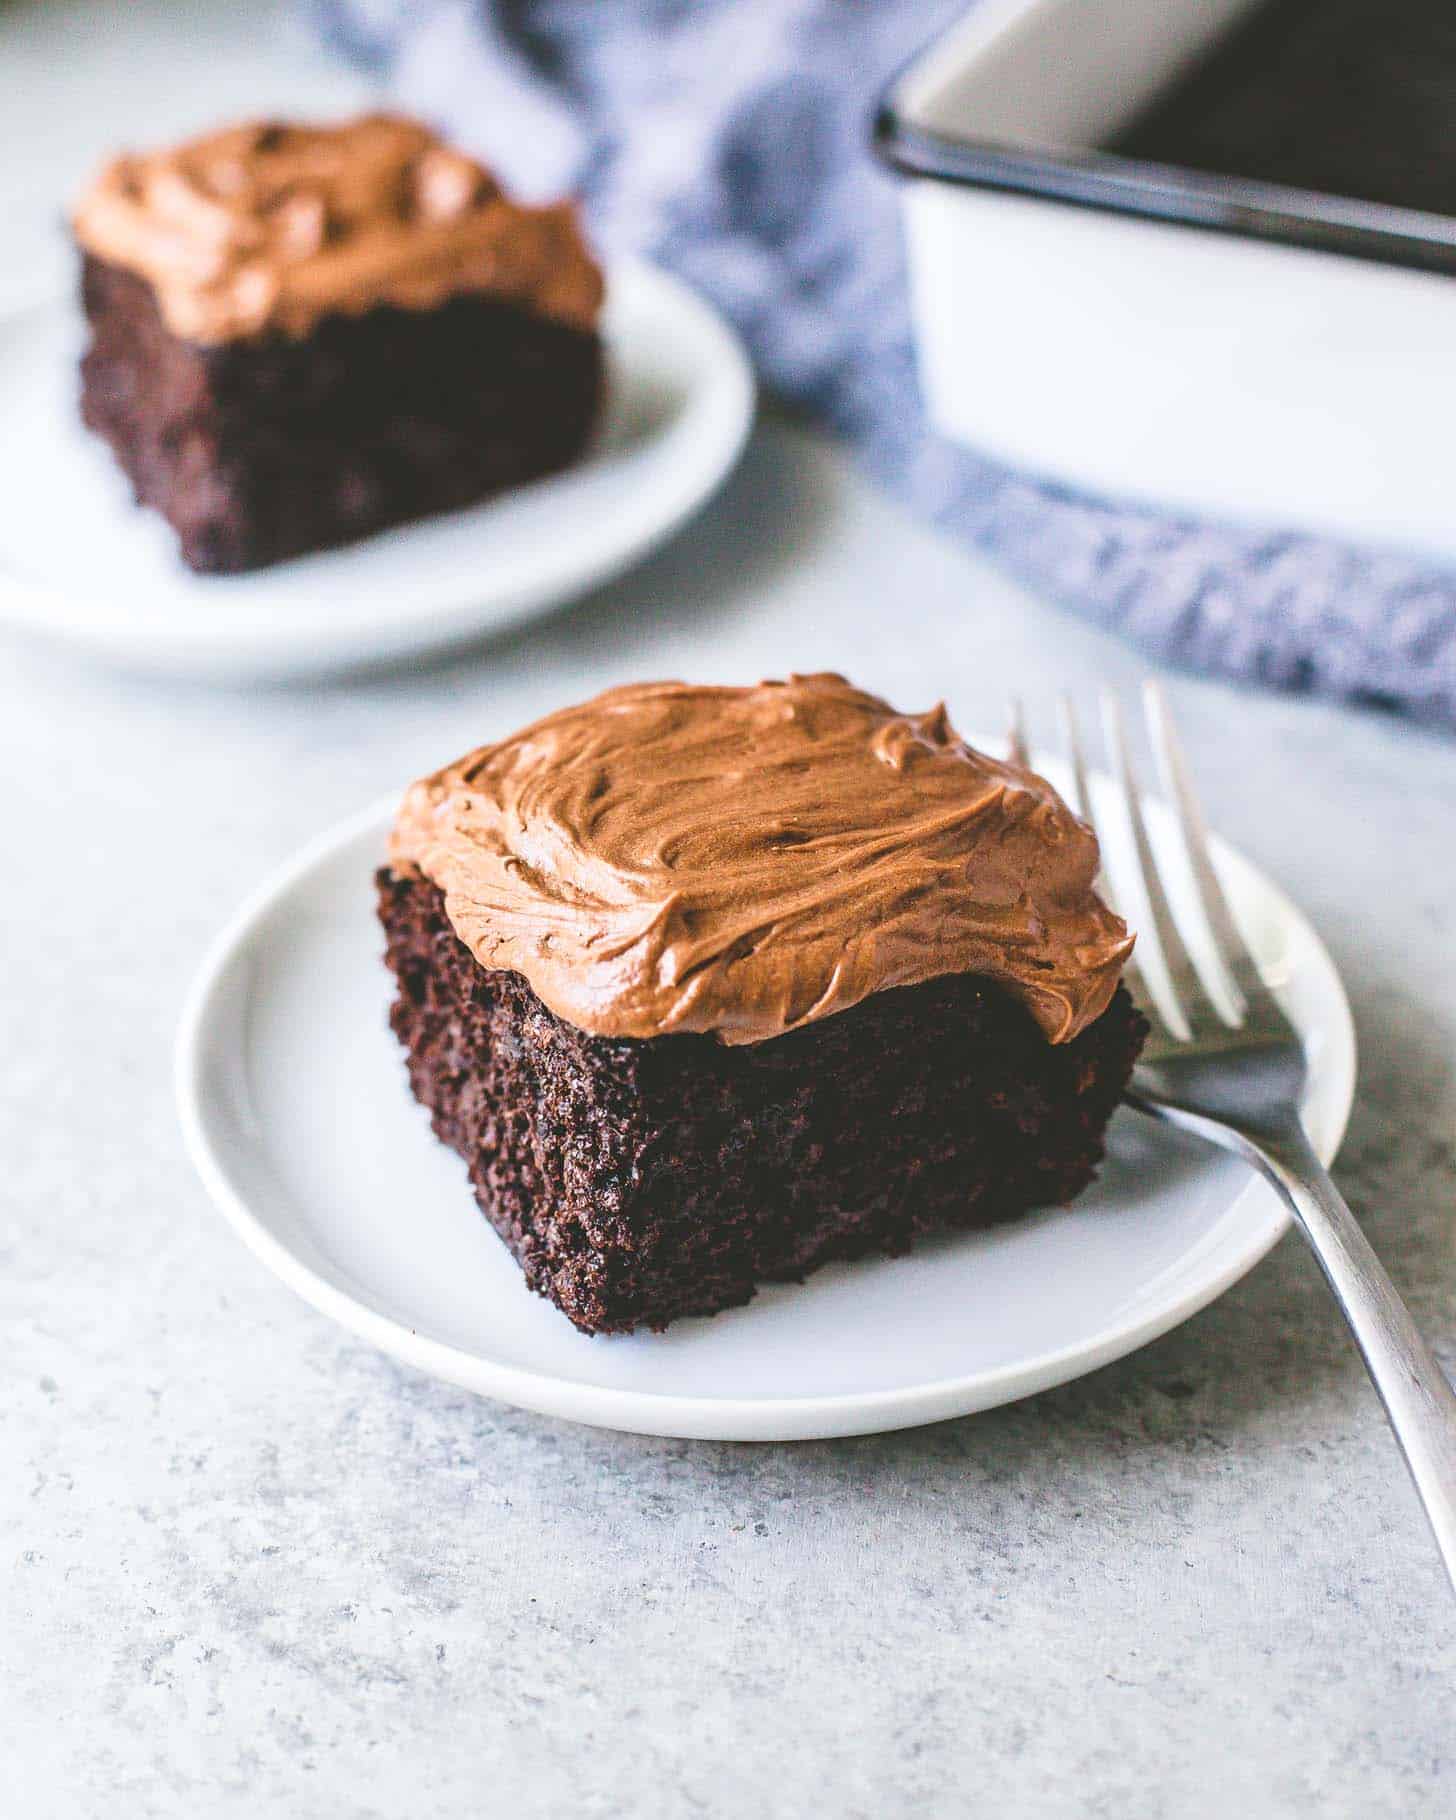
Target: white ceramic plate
<point x="81" y="565"/>
<point x="296" y="1111"/>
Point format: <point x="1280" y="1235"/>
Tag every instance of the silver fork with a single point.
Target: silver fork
<point x="1235" y="1077"/>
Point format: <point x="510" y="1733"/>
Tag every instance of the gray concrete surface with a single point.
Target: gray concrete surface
<point x="252" y="1568"/>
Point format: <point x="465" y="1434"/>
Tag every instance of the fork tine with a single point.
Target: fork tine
<point x="1020" y="753"/>
<point x="1082" y="803"/>
<point x="1072" y="744"/>
<point x="1081" y="790"/>
<point x="1245" y="979"/>
<point x="1177" y="961"/>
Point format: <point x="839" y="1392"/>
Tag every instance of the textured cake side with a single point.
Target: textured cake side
<point x="261" y="449"/>
<point x="640" y="1181"/>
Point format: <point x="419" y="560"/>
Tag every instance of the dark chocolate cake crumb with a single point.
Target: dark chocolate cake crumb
<point x="267" y="447"/>
<point x="638" y="1181"/>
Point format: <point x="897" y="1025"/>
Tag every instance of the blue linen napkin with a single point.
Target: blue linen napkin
<point x="728" y="139"/>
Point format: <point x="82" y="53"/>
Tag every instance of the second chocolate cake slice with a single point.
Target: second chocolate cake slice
<point x="710" y="987"/>
<point x="301" y="335"/>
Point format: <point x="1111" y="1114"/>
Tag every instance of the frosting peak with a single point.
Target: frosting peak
<point x="271" y="226"/>
<point x="743" y="861"/>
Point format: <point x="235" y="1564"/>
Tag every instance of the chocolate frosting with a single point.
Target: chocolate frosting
<point x="271" y="226"/>
<point x="744" y="861"/>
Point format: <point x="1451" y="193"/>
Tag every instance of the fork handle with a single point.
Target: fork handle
<point x="1417" y="1397"/>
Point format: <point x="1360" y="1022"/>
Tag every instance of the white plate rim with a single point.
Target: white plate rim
<point x="760" y="1418"/>
<point x="230" y="639"/>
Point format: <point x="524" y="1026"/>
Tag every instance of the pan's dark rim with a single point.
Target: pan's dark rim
<point x="1409" y="238"/>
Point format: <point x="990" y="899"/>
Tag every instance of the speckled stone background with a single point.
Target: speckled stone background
<point x="252" y="1568"/>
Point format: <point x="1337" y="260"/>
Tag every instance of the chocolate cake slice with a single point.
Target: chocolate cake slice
<point x="710" y="987"/>
<point x="301" y="335"/>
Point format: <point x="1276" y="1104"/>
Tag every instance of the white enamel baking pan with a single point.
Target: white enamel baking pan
<point x="1247" y="351"/>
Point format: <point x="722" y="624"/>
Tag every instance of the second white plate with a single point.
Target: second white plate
<point x="297" y="1113"/>
<point x="80" y="564"/>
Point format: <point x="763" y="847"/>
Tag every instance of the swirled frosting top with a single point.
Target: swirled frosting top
<point x="270" y="226"/>
<point x="743" y="861"/>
